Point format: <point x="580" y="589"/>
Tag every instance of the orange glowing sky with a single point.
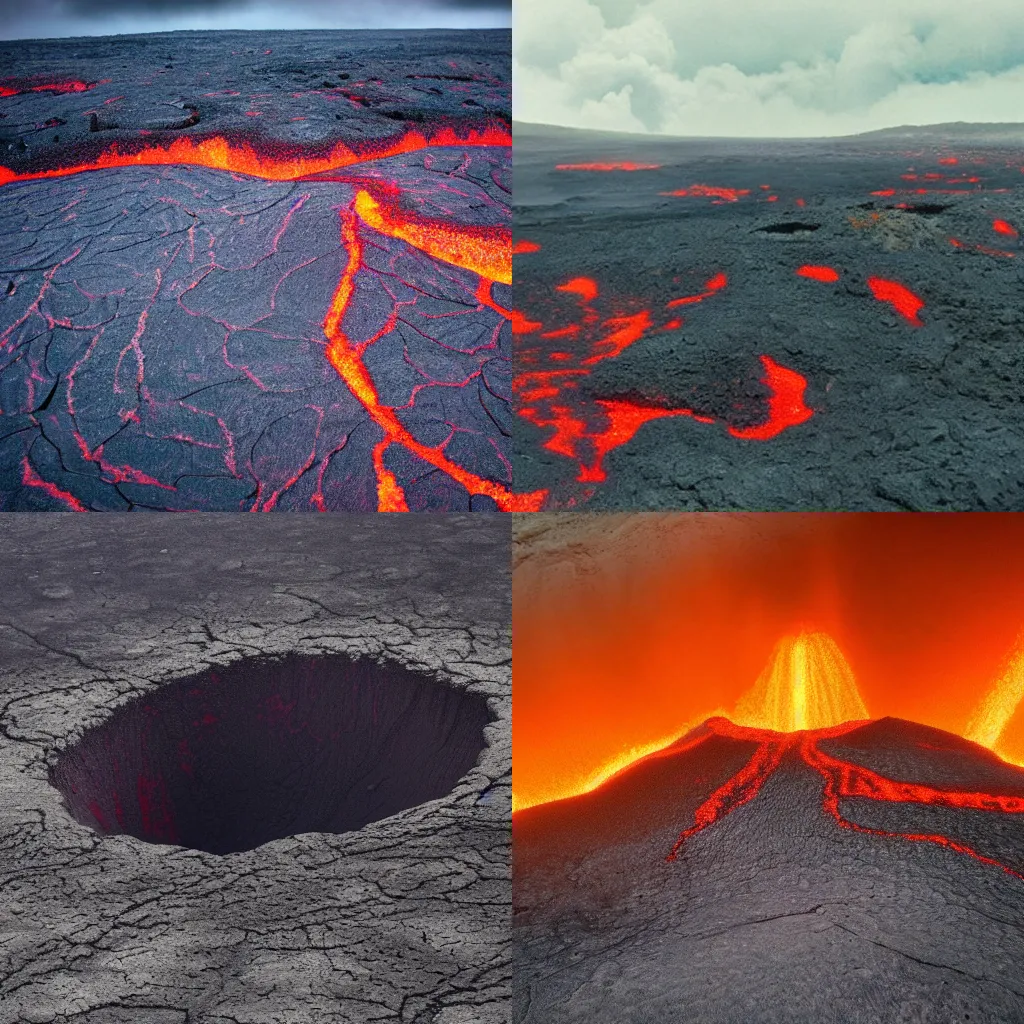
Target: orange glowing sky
<point x="630" y="629"/>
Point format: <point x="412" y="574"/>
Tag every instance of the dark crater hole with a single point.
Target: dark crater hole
<point x="261" y="749"/>
<point x="789" y="227"/>
<point x="928" y="209"/>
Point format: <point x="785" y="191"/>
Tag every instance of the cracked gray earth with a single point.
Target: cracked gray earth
<point x="405" y="919"/>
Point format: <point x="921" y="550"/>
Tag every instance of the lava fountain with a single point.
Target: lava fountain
<point x="807" y="684"/>
<point x="780" y="624"/>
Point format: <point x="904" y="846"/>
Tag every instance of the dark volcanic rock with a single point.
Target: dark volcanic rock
<point x="255" y="640"/>
<point x="774" y="912"/>
<point x="903" y="417"/>
<point x="164" y="335"/>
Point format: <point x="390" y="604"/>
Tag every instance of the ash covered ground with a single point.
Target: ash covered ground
<point x="404" y="919"/>
<point x="770" y="325"/>
<point x="271" y="272"/>
<point x="797" y="903"/>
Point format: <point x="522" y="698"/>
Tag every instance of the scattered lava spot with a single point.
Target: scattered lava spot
<point x="621" y="166"/>
<point x="728" y="195"/>
<point x="818" y="273"/>
<point x="522" y="246"/>
<point x="901" y="298"/>
<point x="786" y="407"/>
<point x="17" y="88"/>
<point x="1004" y="228"/>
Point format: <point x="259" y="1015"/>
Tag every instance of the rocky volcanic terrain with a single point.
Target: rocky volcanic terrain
<point x="770" y="325"/>
<point x="869" y="873"/>
<point x="254" y="271"/>
<point x="254" y="770"/>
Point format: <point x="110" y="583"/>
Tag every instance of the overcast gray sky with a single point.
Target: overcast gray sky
<point x="766" y="67"/>
<point x="35" y="19"/>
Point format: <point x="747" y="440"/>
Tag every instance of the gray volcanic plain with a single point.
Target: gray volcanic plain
<point x="185" y="698"/>
<point x="742" y="324"/>
<point x="802" y="905"/>
<point x="239" y="290"/>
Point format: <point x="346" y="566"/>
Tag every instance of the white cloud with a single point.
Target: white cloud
<point x="745" y="67"/>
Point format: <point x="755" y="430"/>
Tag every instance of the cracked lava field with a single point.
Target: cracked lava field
<point x="274" y="274"/>
<point x="769" y="325"/>
<point x="792" y="780"/>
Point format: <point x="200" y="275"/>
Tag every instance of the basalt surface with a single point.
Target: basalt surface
<point x="770" y="325"/>
<point x="329" y="843"/>
<point x="873" y="872"/>
<point x="256" y="271"/>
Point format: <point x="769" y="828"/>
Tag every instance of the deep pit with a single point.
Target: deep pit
<point x="237" y="756"/>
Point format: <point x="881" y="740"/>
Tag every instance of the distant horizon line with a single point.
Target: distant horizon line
<point x="246" y="31"/>
<point x="891" y="130"/>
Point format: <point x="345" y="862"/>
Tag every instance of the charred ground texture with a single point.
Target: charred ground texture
<point x="165" y="331"/>
<point x="405" y="919"/>
<point x="639" y="394"/>
<point x="774" y="912"/>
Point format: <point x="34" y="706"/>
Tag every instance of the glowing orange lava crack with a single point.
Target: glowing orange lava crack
<point x="842" y="780"/>
<point x="347" y="359"/>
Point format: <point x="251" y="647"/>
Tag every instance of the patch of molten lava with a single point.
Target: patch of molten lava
<point x="522" y="247"/>
<point x="61" y="88"/>
<point x="786" y="406"/>
<point x="818" y="273"/>
<point x="620" y="166"/>
<point x="901" y="298"/>
<point x="218" y="153"/>
<point x="729" y="195"/>
<point x="841" y="780"/>
<point x="1004" y="228"/>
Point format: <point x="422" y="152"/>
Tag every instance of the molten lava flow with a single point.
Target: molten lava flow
<point x="484" y="251"/>
<point x="901" y="298"/>
<point x="818" y="273"/>
<point x="61" y="88"/>
<point x="841" y="780"/>
<point x="622" y="166"/>
<point x="522" y="247"/>
<point x="1004" y="228"/>
<point x="807" y="684"/>
<point x="218" y="153"/>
